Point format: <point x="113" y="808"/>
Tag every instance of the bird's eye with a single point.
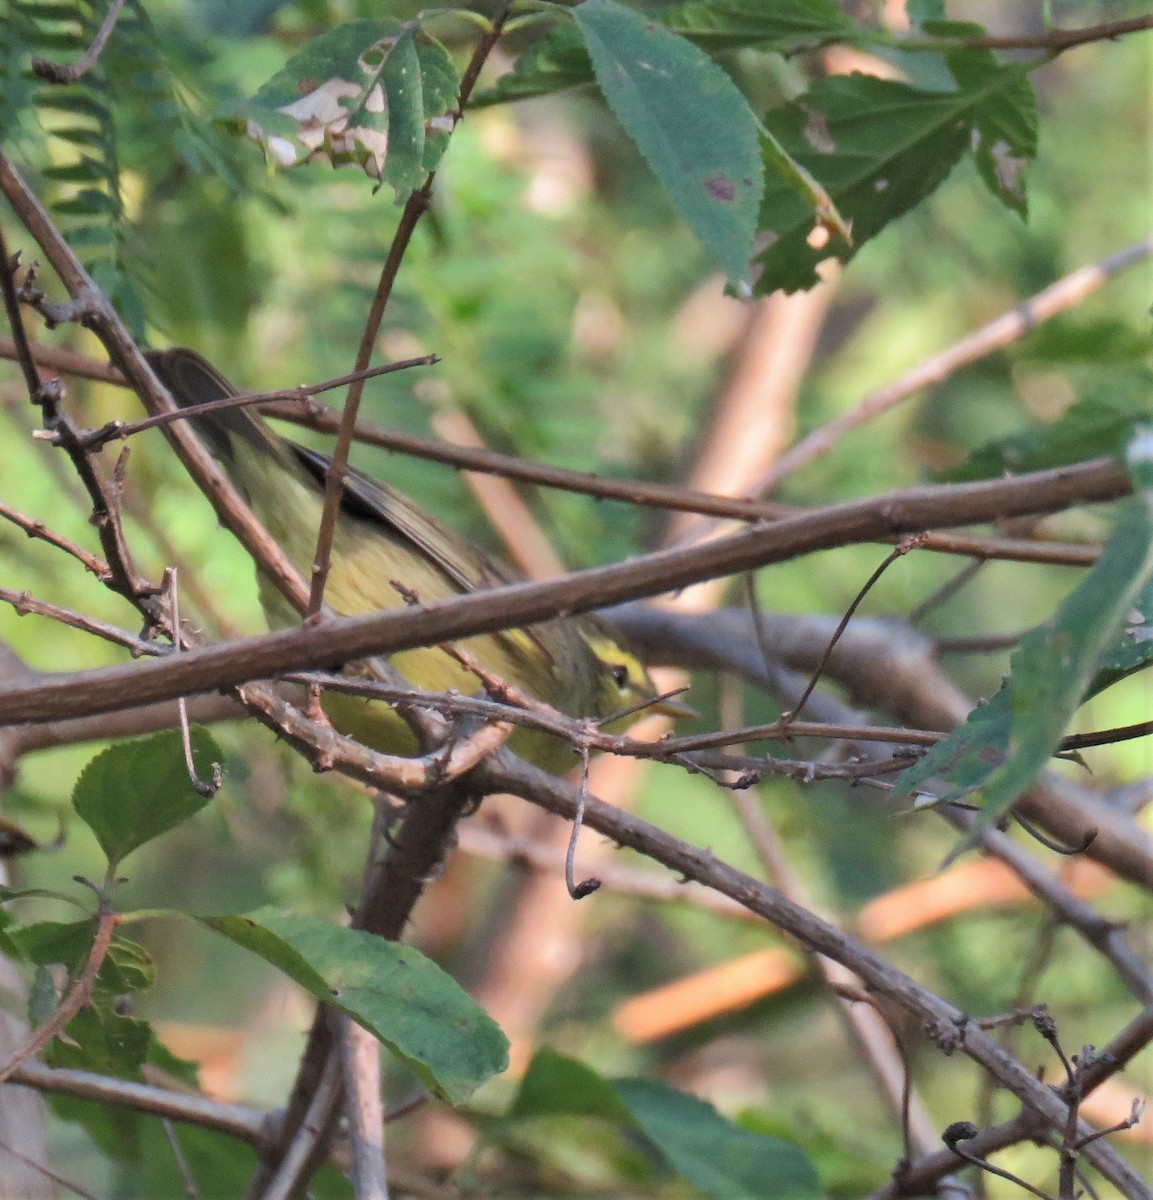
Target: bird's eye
<point x="620" y="674"/>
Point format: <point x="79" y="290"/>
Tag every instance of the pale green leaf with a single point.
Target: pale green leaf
<point x="421" y="1014"/>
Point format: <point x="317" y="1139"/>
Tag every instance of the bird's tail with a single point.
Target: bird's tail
<point x="194" y="380"/>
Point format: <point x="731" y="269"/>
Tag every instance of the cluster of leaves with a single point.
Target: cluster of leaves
<point x="855" y="152"/>
<point x="134" y="792"/>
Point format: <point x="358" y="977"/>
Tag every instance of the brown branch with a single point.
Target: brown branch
<point x="121" y="430"/>
<point x="25" y="603"/>
<point x="289" y="407"/>
<point x="67" y="362"/>
<point x="364" y="1110"/>
<point x="949" y="1027"/>
<point x="347" y="638"/>
<point x="37" y="529"/>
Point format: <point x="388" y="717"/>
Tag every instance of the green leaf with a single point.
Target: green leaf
<point x="135" y="791"/>
<point x="878" y="148"/>
<point x="721" y="1159"/>
<point x="9" y="893"/>
<point x="1100" y="423"/>
<point x="692" y="1139"/>
<point x="689" y="121"/>
<point x="421" y="1014"/>
<point x="128" y="967"/>
<point x="103" y="1040"/>
<point x="377" y="94"/>
<point x="1004" y="121"/>
<point x="1003" y="745"/>
<point x="47" y="943"/>
<point x="555" y="1085"/>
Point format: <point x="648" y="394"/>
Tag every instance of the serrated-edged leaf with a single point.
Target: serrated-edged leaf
<point x="719" y="1158"/>
<point x="421" y="1014"/>
<point x="128" y="967"/>
<point x="1003" y="746"/>
<point x="783" y="25"/>
<point x="135" y="791"/>
<point x="877" y="146"/>
<point x="689" y="121"/>
<point x="1100" y="423"/>
<point x="967" y="757"/>
<point x="374" y="93"/>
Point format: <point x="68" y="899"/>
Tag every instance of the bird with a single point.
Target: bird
<point x="386" y="551"/>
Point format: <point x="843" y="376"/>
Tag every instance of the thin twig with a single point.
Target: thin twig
<point x="25" y="602"/>
<point x="121" y="430"/>
<point x="578" y="891"/>
<point x="181" y="1160"/>
<point x="1056" y="40"/>
<point x="963" y="1131"/>
<point x="946" y="591"/>
<point x="905" y="546"/>
<point x="202" y="787"/>
<point x="37" y="529"/>
<point x="58" y="73"/>
<point x="414" y="209"/>
<point x="298" y="1160"/>
<point x="244" y="1124"/>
